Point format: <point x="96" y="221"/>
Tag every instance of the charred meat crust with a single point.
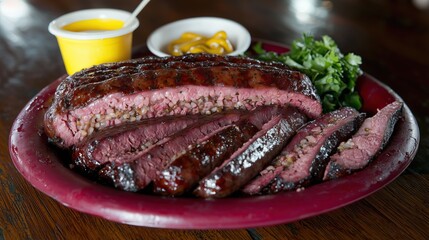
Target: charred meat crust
<point x="105" y="71"/>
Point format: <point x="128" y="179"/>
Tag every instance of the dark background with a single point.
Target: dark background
<point x="392" y="37"/>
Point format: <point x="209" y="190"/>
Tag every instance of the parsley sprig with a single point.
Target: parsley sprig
<point x="333" y="74"/>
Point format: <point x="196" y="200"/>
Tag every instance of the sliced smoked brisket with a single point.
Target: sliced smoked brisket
<point x="304" y="159"/>
<point x="252" y="157"/>
<point x="135" y="175"/>
<point x="356" y="153"/>
<point x="115" y="94"/>
<point x="187" y="169"/>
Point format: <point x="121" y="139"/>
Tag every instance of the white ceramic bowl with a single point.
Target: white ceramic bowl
<point x="238" y="35"/>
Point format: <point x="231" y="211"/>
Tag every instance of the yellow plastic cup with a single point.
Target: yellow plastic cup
<point x="93" y="36"/>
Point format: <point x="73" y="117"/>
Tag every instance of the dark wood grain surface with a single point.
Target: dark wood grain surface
<point x="391" y="36"/>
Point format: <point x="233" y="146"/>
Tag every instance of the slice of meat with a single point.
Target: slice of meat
<point x="138" y="173"/>
<point x="357" y="152"/>
<point x="126" y="142"/>
<point x="252" y="157"/>
<point x="304" y="159"/>
<point x="186" y="170"/>
<point x="104" y="98"/>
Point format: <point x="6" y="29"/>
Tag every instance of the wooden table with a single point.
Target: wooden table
<point x="391" y="36"/>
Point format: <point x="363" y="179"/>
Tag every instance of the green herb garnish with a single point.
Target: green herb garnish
<point x="333" y="74"/>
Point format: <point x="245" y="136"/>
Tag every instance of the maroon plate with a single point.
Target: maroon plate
<point x="41" y="165"/>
